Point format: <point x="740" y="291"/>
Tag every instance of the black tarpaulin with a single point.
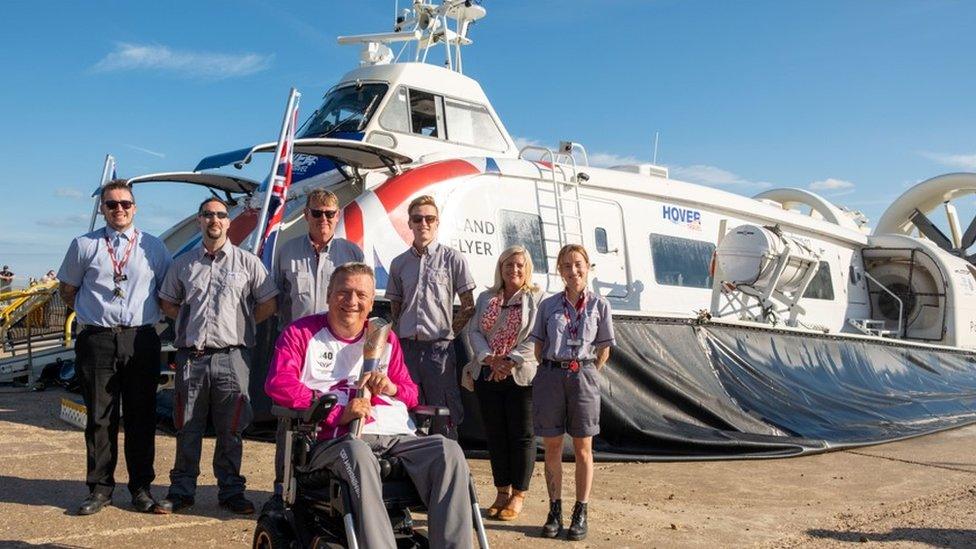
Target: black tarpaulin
<point x="677" y="390"/>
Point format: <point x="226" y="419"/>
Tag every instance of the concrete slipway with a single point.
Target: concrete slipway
<point x="916" y="493"/>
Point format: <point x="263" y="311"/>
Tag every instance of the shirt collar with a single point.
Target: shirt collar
<point x="224" y="250"/>
<point x="112" y="233"/>
<point x="431" y="249"/>
<point x="325" y="248"/>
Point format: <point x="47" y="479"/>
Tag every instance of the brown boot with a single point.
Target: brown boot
<point x="501" y="500"/>
<point x="513" y="508"/>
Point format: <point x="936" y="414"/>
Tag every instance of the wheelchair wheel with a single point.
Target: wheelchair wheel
<point x="269" y="534"/>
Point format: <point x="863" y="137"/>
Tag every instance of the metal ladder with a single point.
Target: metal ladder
<point x="559" y="207"/>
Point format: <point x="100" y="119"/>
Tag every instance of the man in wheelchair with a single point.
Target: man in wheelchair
<point x="322" y="354"/>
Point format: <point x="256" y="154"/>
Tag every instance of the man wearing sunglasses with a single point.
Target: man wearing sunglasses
<point x="302" y="271"/>
<point x="110" y="277"/>
<point x="305" y="264"/>
<point x="422" y="285"/>
<point x="216" y="293"/>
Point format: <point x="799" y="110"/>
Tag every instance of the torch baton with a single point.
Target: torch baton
<point x="374" y="345"/>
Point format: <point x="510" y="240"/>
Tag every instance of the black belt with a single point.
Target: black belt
<point x="568" y="364"/>
<point x="115" y="329"/>
<point x="197" y="353"/>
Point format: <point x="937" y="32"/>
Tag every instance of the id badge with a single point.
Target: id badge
<point x="574" y="342"/>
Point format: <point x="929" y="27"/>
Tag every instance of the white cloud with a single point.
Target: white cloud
<point x="76" y="221"/>
<point x="147" y="151"/>
<point x="183" y="63"/>
<point x="68" y="192"/>
<point x="714" y="176"/>
<point x="831" y="184"/>
<point x="962" y="161"/>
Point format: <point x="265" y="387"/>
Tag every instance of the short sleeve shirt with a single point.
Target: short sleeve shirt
<point x="425" y="285"/>
<point x="556" y="319"/>
<point x="217" y="296"/>
<point x="302" y="275"/>
<point x="88" y="266"/>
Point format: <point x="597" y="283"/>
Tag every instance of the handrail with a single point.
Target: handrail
<point x="67" y="328"/>
<point x="892" y="294"/>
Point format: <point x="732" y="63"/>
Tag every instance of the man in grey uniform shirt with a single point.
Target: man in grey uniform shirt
<point x="110" y="277"/>
<point x="421" y="289"/>
<point x="302" y="271"/>
<point x="304" y="265"/>
<point x="216" y="293"/>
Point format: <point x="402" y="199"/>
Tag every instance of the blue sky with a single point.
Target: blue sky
<point x="856" y="99"/>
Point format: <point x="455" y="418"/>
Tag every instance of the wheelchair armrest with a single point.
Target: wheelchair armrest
<point x="432" y="411"/>
<point x="313" y="414"/>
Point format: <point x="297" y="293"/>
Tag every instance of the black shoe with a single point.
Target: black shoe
<point x="577" y="526"/>
<point x="275" y="504"/>
<point x="94" y="503"/>
<point x="143" y="501"/>
<point x="238" y="504"/>
<point x="554" y="522"/>
<point x="173" y="504"/>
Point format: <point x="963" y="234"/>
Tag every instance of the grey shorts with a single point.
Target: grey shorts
<point x="566" y="402"/>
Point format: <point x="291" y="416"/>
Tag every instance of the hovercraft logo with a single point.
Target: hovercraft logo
<point x="302" y="162"/>
<point x="682" y="216"/>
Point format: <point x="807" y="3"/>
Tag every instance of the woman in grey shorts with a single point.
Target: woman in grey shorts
<point x="573" y="335"/>
<point x="500" y="373"/>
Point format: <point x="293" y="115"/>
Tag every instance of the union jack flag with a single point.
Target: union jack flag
<point x="280" y="181"/>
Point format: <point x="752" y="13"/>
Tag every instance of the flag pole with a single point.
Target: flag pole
<point x="293" y="96"/>
<point x="107" y="169"/>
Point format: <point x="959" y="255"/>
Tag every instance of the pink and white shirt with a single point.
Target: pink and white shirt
<point x="310" y="360"/>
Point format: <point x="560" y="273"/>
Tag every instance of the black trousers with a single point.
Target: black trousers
<point x="506" y="410"/>
<point x="119" y="367"/>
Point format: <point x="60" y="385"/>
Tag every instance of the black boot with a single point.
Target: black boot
<point x="577" y="526"/>
<point x="554" y="522"/>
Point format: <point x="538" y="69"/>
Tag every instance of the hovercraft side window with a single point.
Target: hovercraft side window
<point x="525" y="229"/>
<point x="821" y="287"/>
<point x="681" y="261"/>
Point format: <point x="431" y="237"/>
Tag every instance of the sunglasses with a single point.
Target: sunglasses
<point x="417" y="218"/>
<point x="113" y="204"/>
<point x="211" y="214"/>
<point x="329" y="214"/>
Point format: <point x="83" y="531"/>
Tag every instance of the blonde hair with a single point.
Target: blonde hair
<point x="528" y="285"/>
<point x="321" y="196"/>
<point x="422" y="200"/>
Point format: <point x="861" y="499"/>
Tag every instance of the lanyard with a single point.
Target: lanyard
<point x="119" y="265"/>
<point x="573" y="327"/>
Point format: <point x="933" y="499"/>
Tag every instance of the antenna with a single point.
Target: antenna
<point x="656" y="135"/>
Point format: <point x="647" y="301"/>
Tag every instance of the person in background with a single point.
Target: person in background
<point x="302" y="271"/>
<point x="502" y="366"/>
<point x="110" y="277"/>
<point x="421" y="289"/>
<point x="49" y="277"/>
<point x="6" y="279"/>
<point x="216" y="293"/>
<point x="573" y="335"/>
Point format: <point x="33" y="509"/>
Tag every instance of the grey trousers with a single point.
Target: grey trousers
<point x="215" y="385"/>
<point x="437" y="468"/>
<point x="431" y="366"/>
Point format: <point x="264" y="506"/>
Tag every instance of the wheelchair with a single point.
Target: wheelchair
<point x="317" y="510"/>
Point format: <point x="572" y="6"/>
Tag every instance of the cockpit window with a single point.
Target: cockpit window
<point x="417" y="112"/>
<point x="345" y="109"/>
<point x="424" y="110"/>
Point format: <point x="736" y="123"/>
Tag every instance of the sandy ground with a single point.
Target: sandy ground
<point x="917" y="493"/>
